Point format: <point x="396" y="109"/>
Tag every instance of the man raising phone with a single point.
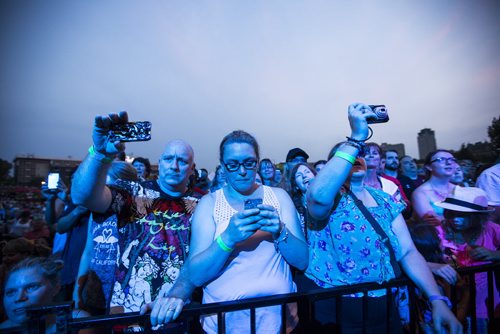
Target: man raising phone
<point x="153" y="216"/>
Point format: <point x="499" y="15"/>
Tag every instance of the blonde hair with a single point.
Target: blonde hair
<point x="122" y="170"/>
<point x="48" y="267"/>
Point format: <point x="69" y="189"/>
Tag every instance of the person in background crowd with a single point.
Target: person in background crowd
<point x="458" y="177"/>
<point x="96" y="273"/>
<point x="267" y="172"/>
<point x="489" y="181"/>
<point x="301" y="177"/>
<point x="55" y="202"/>
<point x="391" y="163"/>
<point x="428" y="243"/>
<point x="33" y="281"/>
<point x="335" y="219"/>
<point x="441" y="165"/>
<point x="293" y="157"/>
<point x="219" y="180"/>
<point x="239" y="253"/>
<point x="408" y="175"/>
<point x="278" y="176"/>
<point x="39" y="230"/>
<point x="471" y="239"/>
<point x="22" y="224"/>
<point x="143" y="167"/>
<point x="318" y="165"/>
<point x="469" y="169"/>
<point x="203" y="183"/>
<point x="154" y="216"/>
<point x="387" y="184"/>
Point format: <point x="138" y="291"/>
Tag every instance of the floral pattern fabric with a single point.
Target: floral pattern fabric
<point x="348" y="250"/>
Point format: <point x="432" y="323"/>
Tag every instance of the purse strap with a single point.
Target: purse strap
<point x="380" y="231"/>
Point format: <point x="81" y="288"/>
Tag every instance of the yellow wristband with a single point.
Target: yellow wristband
<point x="345" y="156"/>
<point x="222" y="245"/>
<point x="99" y="156"/>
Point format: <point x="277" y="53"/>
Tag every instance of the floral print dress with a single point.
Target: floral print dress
<point x="347" y="250"/>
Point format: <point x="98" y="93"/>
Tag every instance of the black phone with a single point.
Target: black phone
<point x="131" y="131"/>
<point x="252" y="203"/>
<point x="381" y="114"/>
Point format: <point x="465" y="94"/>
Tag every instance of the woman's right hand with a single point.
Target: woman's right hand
<point x="357" y="114"/>
<point x="241" y="226"/>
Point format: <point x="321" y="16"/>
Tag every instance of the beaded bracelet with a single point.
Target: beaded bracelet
<point x="99" y="156"/>
<point x="347" y="157"/>
<point x="359" y="145"/>
<point x="223" y="245"/>
<point x="283" y="239"/>
<point x="438" y="297"/>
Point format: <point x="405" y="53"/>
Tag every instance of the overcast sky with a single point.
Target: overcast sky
<point x="284" y="71"/>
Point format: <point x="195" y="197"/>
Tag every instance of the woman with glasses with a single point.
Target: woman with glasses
<point x="239" y="248"/>
<point x="441" y="166"/>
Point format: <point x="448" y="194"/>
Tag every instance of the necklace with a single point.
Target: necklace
<point x="442" y="195"/>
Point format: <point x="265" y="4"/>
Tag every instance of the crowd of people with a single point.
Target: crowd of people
<point x="117" y="240"/>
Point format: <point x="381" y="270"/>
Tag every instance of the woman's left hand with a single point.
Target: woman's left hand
<point x="270" y="221"/>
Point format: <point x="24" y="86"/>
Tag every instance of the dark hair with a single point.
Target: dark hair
<point x="406" y="156"/>
<point x="429" y="156"/>
<point x="239" y="136"/>
<point x="478" y="221"/>
<point x="295" y="193"/>
<point x="320" y="162"/>
<point x="381" y="152"/>
<point x="146" y="163"/>
<point x="265" y="160"/>
<point x="386" y="151"/>
<point x="427" y="242"/>
<point x="334" y="149"/>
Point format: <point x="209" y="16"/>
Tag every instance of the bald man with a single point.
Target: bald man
<point x="153" y="216"/>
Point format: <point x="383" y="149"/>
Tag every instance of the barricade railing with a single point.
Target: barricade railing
<point x="192" y="312"/>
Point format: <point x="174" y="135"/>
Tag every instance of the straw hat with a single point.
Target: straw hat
<point x="466" y="199"/>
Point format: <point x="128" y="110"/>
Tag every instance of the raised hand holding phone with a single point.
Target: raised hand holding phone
<point x="102" y="125"/>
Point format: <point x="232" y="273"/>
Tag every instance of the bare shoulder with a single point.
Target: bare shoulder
<point x="280" y="193"/>
<point x="207" y="201"/>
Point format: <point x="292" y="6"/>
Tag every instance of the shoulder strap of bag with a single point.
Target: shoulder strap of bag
<point x="380" y="231"/>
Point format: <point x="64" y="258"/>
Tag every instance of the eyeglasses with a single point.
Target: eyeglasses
<point x="441" y="160"/>
<point x="233" y="166"/>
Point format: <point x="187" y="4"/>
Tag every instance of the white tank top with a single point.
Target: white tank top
<point x="254" y="269"/>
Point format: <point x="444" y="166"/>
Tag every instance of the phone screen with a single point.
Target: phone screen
<point x="53" y="179"/>
<point x="252" y="203"/>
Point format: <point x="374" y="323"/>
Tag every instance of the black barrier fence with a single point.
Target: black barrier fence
<point x="191" y="313"/>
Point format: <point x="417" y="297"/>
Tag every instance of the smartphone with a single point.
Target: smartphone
<point x="52" y="181"/>
<point x="381" y="114"/>
<point x="131" y="131"/>
<point x="252" y="203"/>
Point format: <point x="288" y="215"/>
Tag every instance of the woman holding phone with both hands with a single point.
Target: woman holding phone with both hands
<point x="238" y="253"/>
